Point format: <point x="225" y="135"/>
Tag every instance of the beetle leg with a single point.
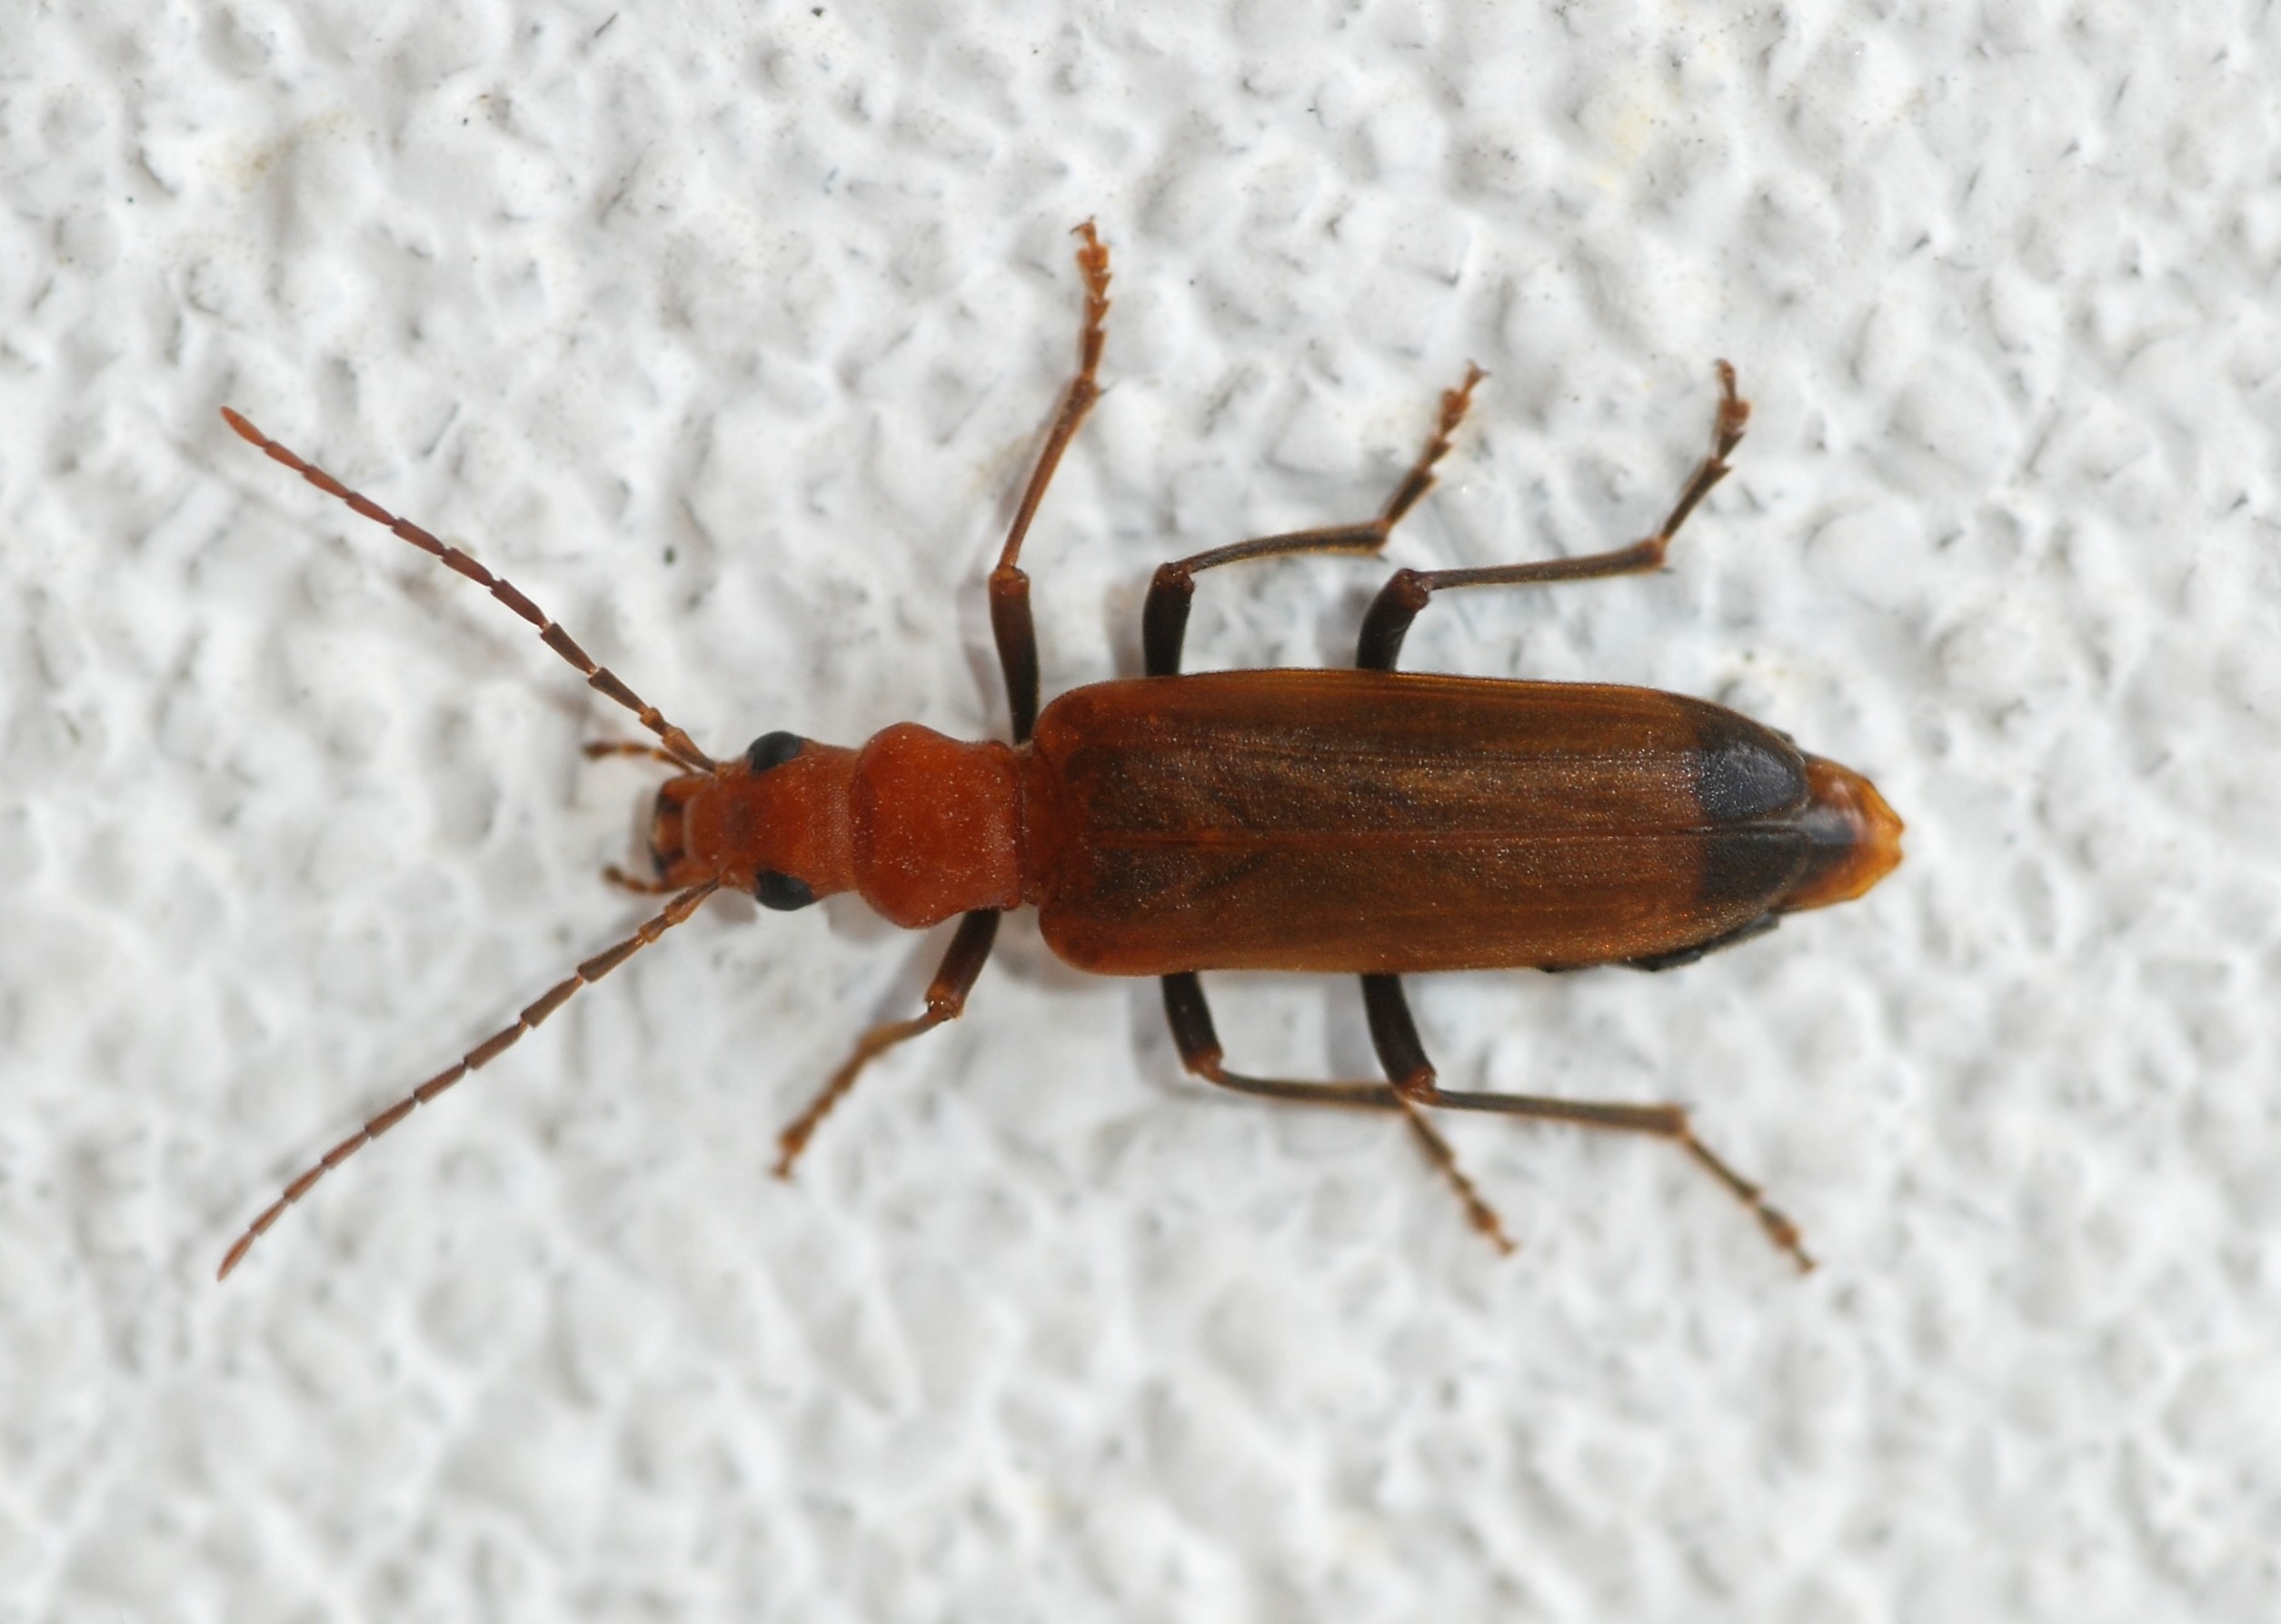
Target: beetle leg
<point x="1199" y="1044"/>
<point x="946" y="1000"/>
<point x="1399" y="599"/>
<point x="1395" y="1036"/>
<point x="1009" y="622"/>
<point x="1164" y="616"/>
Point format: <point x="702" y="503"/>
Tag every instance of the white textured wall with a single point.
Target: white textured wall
<point x="726" y="330"/>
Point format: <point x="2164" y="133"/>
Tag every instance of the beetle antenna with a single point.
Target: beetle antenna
<point x="599" y="678"/>
<point x="483" y="1055"/>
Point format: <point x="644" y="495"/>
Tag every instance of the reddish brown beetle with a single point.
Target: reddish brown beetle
<point x="1366" y="823"/>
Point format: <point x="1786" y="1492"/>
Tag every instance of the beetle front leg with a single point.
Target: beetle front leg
<point x="1164" y="616"/>
<point x="1399" y="599"/>
<point x="1395" y="1036"/>
<point x="1199" y="1044"/>
<point x="1011" y="627"/>
<point x="946" y="1000"/>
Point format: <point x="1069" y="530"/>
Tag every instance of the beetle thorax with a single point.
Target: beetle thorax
<point x="921" y="825"/>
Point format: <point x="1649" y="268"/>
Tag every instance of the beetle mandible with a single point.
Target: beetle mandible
<point x="1370" y="823"/>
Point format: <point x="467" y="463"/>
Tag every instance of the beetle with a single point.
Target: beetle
<point x="1372" y="822"/>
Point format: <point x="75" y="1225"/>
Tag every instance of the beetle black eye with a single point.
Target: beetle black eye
<point x="781" y="891"/>
<point x="774" y="750"/>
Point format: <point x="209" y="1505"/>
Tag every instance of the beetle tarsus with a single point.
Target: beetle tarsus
<point x="795" y="1139"/>
<point x="1734" y="416"/>
<point x="1661" y="1122"/>
<point x="1478" y="1211"/>
<point x="946" y="1000"/>
<point x="1778" y="1228"/>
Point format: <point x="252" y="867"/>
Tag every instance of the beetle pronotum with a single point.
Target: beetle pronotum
<point x="1370" y="822"/>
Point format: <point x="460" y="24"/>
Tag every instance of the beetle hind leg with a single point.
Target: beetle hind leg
<point x="1199" y="1044"/>
<point x="1395" y="1036"/>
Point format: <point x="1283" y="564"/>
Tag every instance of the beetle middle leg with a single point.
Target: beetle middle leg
<point x="946" y="1000"/>
<point x="1199" y="1044"/>
<point x="1164" y="616"/>
<point x="1399" y="599"/>
<point x="1395" y="1034"/>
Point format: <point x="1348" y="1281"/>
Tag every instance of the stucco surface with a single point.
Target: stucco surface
<point x="727" y="332"/>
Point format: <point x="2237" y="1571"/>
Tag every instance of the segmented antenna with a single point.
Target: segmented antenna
<point x="483" y="1055"/>
<point x="599" y="678"/>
